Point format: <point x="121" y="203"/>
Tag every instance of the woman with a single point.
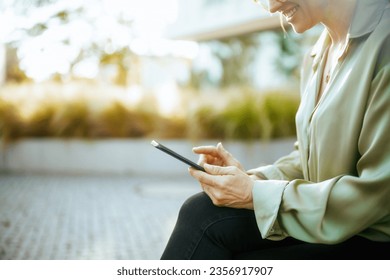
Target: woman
<point x="329" y="198"/>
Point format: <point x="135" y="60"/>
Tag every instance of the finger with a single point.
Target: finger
<point x="228" y="157"/>
<point x="223" y="152"/>
<point x="208" y="159"/>
<point x="215" y="155"/>
<point x="209" y="150"/>
<point x="212" y="194"/>
<point x="202" y="159"/>
<point x="209" y="191"/>
<point x="220" y="170"/>
<point x="205" y="178"/>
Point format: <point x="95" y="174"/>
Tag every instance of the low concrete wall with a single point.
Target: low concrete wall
<point x="117" y="156"/>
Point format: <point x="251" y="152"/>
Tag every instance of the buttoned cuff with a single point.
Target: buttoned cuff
<point x="267" y="197"/>
<point x="266" y="172"/>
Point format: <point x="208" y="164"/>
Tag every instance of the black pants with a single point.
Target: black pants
<point x="204" y="231"/>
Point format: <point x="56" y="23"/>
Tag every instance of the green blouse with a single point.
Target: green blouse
<point x="336" y="183"/>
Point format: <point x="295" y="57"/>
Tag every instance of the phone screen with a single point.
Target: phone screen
<point x="177" y="156"/>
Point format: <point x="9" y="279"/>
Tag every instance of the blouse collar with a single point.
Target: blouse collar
<point x="367" y="16"/>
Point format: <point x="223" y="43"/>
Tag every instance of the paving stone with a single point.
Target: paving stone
<point x="88" y="217"/>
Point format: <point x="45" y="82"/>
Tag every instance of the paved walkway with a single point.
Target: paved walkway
<point x="88" y="217"/>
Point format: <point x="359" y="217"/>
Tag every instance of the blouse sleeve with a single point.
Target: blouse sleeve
<point x="286" y="168"/>
<point x="333" y="210"/>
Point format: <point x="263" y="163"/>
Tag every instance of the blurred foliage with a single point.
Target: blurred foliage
<point x="247" y="115"/>
<point x="13" y="73"/>
<point x="54" y="14"/>
<point x="280" y="109"/>
<point x="290" y="50"/>
<point x="235" y="54"/>
<point x="122" y="59"/>
<point x="118" y="120"/>
<point x="93" y="112"/>
<point x="237" y="57"/>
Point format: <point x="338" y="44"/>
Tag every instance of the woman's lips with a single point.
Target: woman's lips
<point x="290" y="12"/>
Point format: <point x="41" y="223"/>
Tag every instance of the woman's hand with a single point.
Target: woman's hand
<point x="226" y="186"/>
<point x="216" y="155"/>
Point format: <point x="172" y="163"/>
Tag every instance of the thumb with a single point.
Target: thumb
<point x="229" y="159"/>
<point x="227" y="156"/>
<point x="223" y="152"/>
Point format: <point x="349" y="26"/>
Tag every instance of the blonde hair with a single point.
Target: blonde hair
<point x="280" y="15"/>
<point x="282" y="24"/>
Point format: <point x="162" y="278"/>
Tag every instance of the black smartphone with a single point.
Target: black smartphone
<point x="177" y="156"/>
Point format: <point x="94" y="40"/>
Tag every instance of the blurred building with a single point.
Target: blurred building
<point x="206" y="21"/>
<point x="214" y="19"/>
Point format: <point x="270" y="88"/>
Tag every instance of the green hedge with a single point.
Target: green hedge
<point x="248" y="117"/>
<point x="243" y="114"/>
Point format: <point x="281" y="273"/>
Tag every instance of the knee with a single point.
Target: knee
<point x="196" y="207"/>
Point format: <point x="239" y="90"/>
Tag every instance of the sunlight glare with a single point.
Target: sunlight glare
<point x="134" y="94"/>
<point x="87" y="68"/>
<point x="168" y="98"/>
<point x="165" y="47"/>
<point x="57" y="47"/>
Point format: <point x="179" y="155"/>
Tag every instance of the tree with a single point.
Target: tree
<point x="13" y="73"/>
<point x="233" y="54"/>
<point x="236" y="57"/>
<point x="73" y="32"/>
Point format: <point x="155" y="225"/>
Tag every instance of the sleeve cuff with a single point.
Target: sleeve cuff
<point x="266" y="172"/>
<point x="267" y="197"/>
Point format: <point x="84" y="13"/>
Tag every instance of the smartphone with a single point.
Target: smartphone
<point x="177" y="156"/>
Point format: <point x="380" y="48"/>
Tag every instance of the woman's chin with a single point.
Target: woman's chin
<point x="298" y="28"/>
